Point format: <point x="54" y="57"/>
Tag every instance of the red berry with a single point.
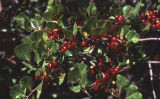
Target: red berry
<point x="84" y="43"/>
<point x="65" y="43"/>
<point x="98" y="81"/>
<point x="106" y="90"/>
<point x="114" y="39"/>
<point x="105" y="35"/>
<point x="151" y="14"/>
<point x="46" y="78"/>
<point x="149" y="18"/>
<point x="115" y="71"/>
<point x="118" y="36"/>
<point x="37" y="78"/>
<point x="96" y="88"/>
<point x="54" y="63"/>
<point x="41" y="74"/>
<point x="73" y="44"/>
<point x="153" y="26"/>
<point x="64" y="49"/>
<point x="142" y="16"/>
<point x="92" y="72"/>
<point x="110" y="61"/>
<point x="120" y="20"/>
<point x="100" y="64"/>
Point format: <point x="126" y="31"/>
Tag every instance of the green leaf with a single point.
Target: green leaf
<point x="39" y="90"/>
<point x="75" y="29"/>
<point x="26" y="82"/>
<point x="50" y="4"/>
<point x="26" y="41"/>
<point x="125" y="29"/>
<point x="132" y="36"/>
<point x="136" y="95"/>
<point x="121" y="82"/>
<point x="36" y="35"/>
<point x="35" y="45"/>
<point x="17" y="92"/>
<point x="131" y="90"/>
<point x="74" y="76"/>
<point x="76" y="89"/>
<point x="59" y="8"/>
<point x="137" y="8"/>
<point x="147" y="28"/>
<point x="158" y="7"/>
<point x="68" y="53"/>
<point x="23" y="21"/>
<point x="54" y="47"/>
<point x="61" y="79"/>
<point x="37" y="57"/>
<point x="83" y="69"/>
<point x="126" y="9"/>
<point x="29" y="66"/>
<point x="91" y="10"/>
<point x="23" y="52"/>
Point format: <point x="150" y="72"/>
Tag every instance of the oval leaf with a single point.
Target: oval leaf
<point x="26" y="82"/>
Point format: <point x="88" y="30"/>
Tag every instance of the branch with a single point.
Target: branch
<point x="149" y="39"/>
<point x="151" y="77"/>
<point x="32" y="91"/>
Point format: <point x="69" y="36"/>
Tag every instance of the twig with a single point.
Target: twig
<point x="149" y="39"/>
<point x="85" y="91"/>
<point x="32" y="91"/>
<point x="151" y="76"/>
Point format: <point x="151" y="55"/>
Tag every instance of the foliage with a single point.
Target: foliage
<point x="81" y="44"/>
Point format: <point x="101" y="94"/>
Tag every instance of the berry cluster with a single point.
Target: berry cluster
<point x="67" y="46"/>
<point x="106" y="76"/>
<point x="53" y="65"/>
<point x="116" y="44"/>
<point x="152" y="18"/>
<point x="55" y="33"/>
<point x="46" y="78"/>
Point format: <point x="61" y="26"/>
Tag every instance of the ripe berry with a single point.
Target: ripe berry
<point x="37" y="78"/>
<point x="65" y="43"/>
<point x="64" y="49"/>
<point x="92" y="72"/>
<point x="120" y="20"/>
<point x="142" y="16"/>
<point x="73" y="44"/>
<point x="105" y="35"/>
<point x="46" y="78"/>
<point x="149" y="18"/>
<point x="100" y="64"/>
<point x="54" y="63"/>
<point x="96" y="88"/>
<point x="106" y="90"/>
<point x="41" y="74"/>
<point x="114" y="39"/>
<point x="84" y="43"/>
<point x="116" y="70"/>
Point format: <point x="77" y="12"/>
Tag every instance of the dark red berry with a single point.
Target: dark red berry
<point x="114" y="39"/>
<point x="95" y="88"/>
<point x="142" y="16"/>
<point x="65" y="43"/>
<point x="92" y="72"/>
<point x="105" y="35"/>
<point x="41" y="74"/>
<point x="120" y="19"/>
<point x="106" y="90"/>
<point x="84" y="43"/>
<point x="37" y="77"/>
<point x="149" y="18"/>
<point x="54" y="63"/>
